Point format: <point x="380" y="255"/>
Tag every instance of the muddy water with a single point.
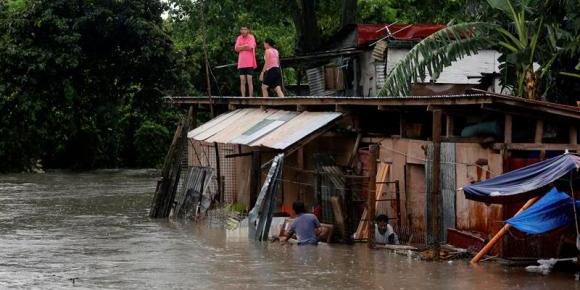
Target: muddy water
<point x="93" y="228"/>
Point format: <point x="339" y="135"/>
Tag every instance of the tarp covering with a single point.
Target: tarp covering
<point x="522" y="183"/>
<point x="552" y="211"/>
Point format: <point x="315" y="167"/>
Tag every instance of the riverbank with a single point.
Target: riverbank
<point x="93" y="227"/>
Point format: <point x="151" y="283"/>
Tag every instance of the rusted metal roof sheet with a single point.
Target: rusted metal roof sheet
<point x="277" y="129"/>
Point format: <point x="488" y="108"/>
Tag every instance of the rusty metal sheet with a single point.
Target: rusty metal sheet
<point x="296" y="129"/>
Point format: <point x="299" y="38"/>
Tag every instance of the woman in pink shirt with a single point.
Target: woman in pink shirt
<point x="271" y="75"/>
<point x="246" y="49"/>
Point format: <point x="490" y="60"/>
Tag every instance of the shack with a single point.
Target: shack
<point x="357" y="59"/>
<point x="326" y="139"/>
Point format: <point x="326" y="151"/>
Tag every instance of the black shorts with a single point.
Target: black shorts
<point x="273" y="77"/>
<point x="246" y="71"/>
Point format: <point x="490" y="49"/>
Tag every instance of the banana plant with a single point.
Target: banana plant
<point x="518" y="41"/>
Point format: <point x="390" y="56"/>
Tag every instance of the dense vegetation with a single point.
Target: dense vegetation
<point x="81" y="82"/>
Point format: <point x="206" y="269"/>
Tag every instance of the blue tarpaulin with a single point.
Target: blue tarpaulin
<point x="523" y="183"/>
<point x="550" y="212"/>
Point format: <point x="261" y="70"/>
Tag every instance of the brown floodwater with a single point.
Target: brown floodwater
<point x="93" y="228"/>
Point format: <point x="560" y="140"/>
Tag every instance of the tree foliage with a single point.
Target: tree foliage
<point x="71" y="71"/>
<point x="548" y="41"/>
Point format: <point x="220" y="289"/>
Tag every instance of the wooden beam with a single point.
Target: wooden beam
<point x="507" y="129"/>
<point x="458" y="139"/>
<point x="449" y="125"/>
<point x="573" y="135"/>
<point x="535" y="146"/>
<point x="326" y="101"/>
<point x="341" y="109"/>
<point x="539" y="131"/>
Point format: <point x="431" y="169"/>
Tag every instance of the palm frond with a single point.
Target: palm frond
<point x="436" y="52"/>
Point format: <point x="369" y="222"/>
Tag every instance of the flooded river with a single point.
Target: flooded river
<point x="93" y="229"/>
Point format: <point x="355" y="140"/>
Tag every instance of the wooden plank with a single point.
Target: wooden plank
<point x="361" y="231"/>
<point x="534" y="146"/>
<point x="573" y="135"/>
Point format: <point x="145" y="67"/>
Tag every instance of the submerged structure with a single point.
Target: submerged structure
<point x="326" y="144"/>
<point x="350" y="156"/>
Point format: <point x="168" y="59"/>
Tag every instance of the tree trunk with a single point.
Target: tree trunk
<point x="348" y="12"/>
<point x="304" y="16"/>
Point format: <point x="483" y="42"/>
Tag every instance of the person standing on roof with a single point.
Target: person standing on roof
<point x="271" y="75"/>
<point x="246" y="49"/>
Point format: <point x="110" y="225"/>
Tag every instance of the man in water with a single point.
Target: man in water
<point x="305" y="226"/>
<point x="384" y="233"/>
<point x="246" y="49"/>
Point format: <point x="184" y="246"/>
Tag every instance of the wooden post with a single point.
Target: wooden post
<point x="374" y="150"/>
<point x="507" y="131"/>
<point x="206" y="60"/>
<point x="398" y="197"/>
<point x="355" y="77"/>
<point x="255" y="177"/>
<point x="435" y="182"/>
<point x="573" y="135"/>
<point x="500" y="234"/>
<point x="539" y="132"/>
<point x="218" y="172"/>
<point x="449" y="125"/>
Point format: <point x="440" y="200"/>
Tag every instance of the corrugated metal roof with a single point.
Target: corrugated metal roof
<point x="275" y="129"/>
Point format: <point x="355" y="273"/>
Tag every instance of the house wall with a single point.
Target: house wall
<point x="471" y="215"/>
<point x="473" y="65"/>
<point x="407" y="159"/>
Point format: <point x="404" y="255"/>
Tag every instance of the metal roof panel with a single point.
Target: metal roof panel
<point x="275" y="129"/>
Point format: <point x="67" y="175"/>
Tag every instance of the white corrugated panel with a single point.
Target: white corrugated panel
<point x="255" y="127"/>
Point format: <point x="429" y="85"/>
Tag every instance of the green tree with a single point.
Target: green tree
<point x="71" y="69"/>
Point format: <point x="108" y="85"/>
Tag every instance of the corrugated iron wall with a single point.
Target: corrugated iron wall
<point x="448" y="186"/>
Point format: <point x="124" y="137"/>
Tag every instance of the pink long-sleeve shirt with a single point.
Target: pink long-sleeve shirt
<point x="246" y="58"/>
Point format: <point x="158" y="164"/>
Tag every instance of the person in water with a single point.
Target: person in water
<point x="246" y="48"/>
<point x="305" y="226"/>
<point x="384" y="233"/>
<point x="271" y="75"/>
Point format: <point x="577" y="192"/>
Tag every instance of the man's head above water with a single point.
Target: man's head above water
<point x="382" y="223"/>
<point x="298" y="207"/>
